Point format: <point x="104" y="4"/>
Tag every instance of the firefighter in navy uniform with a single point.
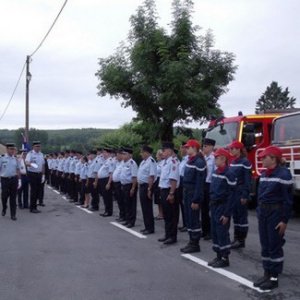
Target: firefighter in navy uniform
<point x="241" y="167"/>
<point x="10" y="180"/>
<point x="222" y="200"/>
<point x="274" y="210"/>
<point x="168" y="183"/>
<point x="193" y="188"/>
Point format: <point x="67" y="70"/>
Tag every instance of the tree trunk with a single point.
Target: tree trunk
<point x="166" y="132"/>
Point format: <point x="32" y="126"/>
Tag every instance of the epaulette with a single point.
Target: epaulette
<point x="152" y="159"/>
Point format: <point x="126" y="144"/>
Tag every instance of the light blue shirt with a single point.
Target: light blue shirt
<point x="98" y="163"/>
<point x="169" y="171"/>
<point x="78" y="167"/>
<point x="106" y="169"/>
<point x="67" y="165"/>
<point x="91" y="173"/>
<point x="128" y="171"/>
<point x="159" y="166"/>
<point x="60" y="165"/>
<point x="36" y="158"/>
<point x="182" y="165"/>
<point x="84" y="171"/>
<point x="73" y="162"/>
<point x="9" y="166"/>
<point x="116" y="176"/>
<point x="210" y="167"/>
<point x="147" y="168"/>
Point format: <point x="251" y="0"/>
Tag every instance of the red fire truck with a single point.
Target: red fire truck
<point x="253" y="130"/>
<point x="286" y="135"/>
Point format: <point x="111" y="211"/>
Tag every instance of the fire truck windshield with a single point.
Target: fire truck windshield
<point x="223" y="134"/>
<point x="286" y="130"/>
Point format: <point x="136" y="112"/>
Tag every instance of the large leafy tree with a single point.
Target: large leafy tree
<point x="167" y="78"/>
<point x="274" y="98"/>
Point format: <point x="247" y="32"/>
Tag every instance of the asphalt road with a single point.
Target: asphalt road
<point x="67" y="253"/>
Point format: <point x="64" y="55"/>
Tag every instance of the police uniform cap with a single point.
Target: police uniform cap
<point x="167" y="145"/>
<point x="10" y="145"/>
<point x="148" y="149"/>
<point x="127" y="150"/>
<point x="209" y="142"/>
<point x="36" y="143"/>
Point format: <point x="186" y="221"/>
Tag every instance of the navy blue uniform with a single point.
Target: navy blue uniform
<point x="222" y="196"/>
<point x="242" y="170"/>
<point x="193" y="186"/>
<point x="274" y="206"/>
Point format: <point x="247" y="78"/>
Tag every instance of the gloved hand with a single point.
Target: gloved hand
<point x="19" y="184"/>
<point x="43" y="178"/>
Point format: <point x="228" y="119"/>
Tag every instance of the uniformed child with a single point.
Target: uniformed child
<point x="274" y="210"/>
<point x="241" y="167"/>
<point x="222" y="190"/>
<point x="193" y="185"/>
<point x="10" y="180"/>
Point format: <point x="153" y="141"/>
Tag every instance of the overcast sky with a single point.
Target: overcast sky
<point x="263" y="34"/>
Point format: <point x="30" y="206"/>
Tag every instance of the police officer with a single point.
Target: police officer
<point x="91" y="177"/>
<point x="222" y="199"/>
<point x="104" y="179"/>
<point x="193" y="184"/>
<point x="128" y="178"/>
<point x="116" y="178"/>
<point x="60" y="169"/>
<point x="23" y="191"/>
<point x="35" y="163"/>
<point x="274" y="210"/>
<point x="169" y="182"/>
<point x="208" y="147"/>
<point x="10" y="180"/>
<point x="242" y="170"/>
<point x="147" y="174"/>
<point x="77" y="189"/>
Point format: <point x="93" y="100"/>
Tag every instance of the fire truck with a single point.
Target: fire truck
<point x="286" y="135"/>
<point x="254" y="131"/>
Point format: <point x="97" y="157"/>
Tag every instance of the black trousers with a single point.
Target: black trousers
<point x="83" y="191"/>
<point x="130" y="204"/>
<point x="60" y="181"/>
<point x="120" y="200"/>
<point x="41" y="193"/>
<point x="35" y="181"/>
<point x="181" y="202"/>
<point x="23" y="192"/>
<point x="72" y="186"/>
<point x="94" y="193"/>
<point x="9" y="186"/>
<point x="107" y="195"/>
<point x="205" y="218"/>
<point x="171" y="213"/>
<point x="147" y="207"/>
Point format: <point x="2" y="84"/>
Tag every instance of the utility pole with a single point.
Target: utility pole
<point x="28" y="78"/>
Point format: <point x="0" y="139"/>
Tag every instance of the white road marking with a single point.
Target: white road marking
<point x="49" y="187"/>
<point x="223" y="272"/>
<point x="84" y="209"/>
<point x="139" y="235"/>
<point x="57" y="192"/>
<point x="64" y="198"/>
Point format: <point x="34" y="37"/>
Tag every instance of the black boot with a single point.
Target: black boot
<point x="262" y="279"/>
<point x="221" y="263"/>
<point x="239" y="240"/>
<point x="210" y="263"/>
<point x="270" y="284"/>
<point x="191" y="247"/>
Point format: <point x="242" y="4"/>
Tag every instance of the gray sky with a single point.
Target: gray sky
<point x="263" y="34"/>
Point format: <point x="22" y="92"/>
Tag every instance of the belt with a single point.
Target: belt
<point x="37" y="173"/>
<point x="270" y="206"/>
<point x="10" y="177"/>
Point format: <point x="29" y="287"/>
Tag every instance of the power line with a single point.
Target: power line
<point x="41" y="43"/>
<point x="13" y="93"/>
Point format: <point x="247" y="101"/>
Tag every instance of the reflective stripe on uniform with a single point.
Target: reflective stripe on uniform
<point x="194" y="167"/>
<point x="241" y="225"/>
<point x="280" y="259"/>
<point x="282" y="181"/>
<point x="194" y="230"/>
<point x="224" y="177"/>
<point x="241" y="165"/>
<point x="222" y="248"/>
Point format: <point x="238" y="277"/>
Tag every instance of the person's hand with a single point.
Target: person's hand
<point x="95" y="184"/>
<point x="244" y="201"/>
<point x="195" y="206"/>
<point x="19" y="184"/>
<point x="224" y="220"/>
<point x="171" y="198"/>
<point x="281" y="227"/>
<point x="149" y="194"/>
<point x="132" y="192"/>
<point x="43" y="179"/>
<point x="107" y="187"/>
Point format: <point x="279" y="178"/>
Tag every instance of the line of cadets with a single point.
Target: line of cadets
<point x="215" y="184"/>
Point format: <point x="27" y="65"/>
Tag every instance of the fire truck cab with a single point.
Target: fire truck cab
<point x="286" y="135"/>
<point x="254" y="131"/>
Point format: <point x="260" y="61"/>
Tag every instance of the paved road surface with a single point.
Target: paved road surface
<point x="67" y="253"/>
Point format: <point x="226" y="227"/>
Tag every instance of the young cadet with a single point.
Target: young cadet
<point x="274" y="210"/>
<point x="208" y="147"/>
<point x="128" y="178"/>
<point x="35" y="163"/>
<point x="10" y="180"/>
<point x="104" y="180"/>
<point x="193" y="185"/>
<point x="242" y="170"/>
<point x="222" y="190"/>
<point x="146" y="177"/>
<point x="169" y="183"/>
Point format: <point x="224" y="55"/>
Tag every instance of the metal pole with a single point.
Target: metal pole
<point x="28" y="77"/>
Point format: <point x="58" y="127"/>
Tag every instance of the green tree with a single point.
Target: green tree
<point x="167" y="77"/>
<point x="274" y="98"/>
